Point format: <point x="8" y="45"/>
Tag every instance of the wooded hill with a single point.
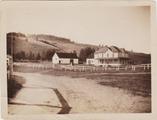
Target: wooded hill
<point x="140" y="58"/>
<point x="41" y="46"/>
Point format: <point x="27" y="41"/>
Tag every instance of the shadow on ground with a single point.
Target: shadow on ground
<point x="14" y="85"/>
<point x="65" y="106"/>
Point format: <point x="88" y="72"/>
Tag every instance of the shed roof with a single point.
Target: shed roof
<point x="66" y="55"/>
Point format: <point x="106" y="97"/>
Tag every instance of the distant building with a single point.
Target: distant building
<point x="90" y="61"/>
<point x="112" y="56"/>
<point x="64" y="58"/>
<point x="9" y="66"/>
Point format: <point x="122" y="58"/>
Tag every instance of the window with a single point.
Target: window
<point x="107" y="55"/>
<point x="101" y="61"/>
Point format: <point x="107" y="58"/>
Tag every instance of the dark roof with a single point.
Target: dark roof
<point x="103" y="49"/>
<point x="112" y="48"/>
<point x="66" y="55"/>
<point x="123" y="50"/>
<point x="115" y="49"/>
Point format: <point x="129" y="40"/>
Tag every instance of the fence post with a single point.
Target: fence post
<point x="117" y="68"/>
<point x="126" y="68"/>
<point x="105" y="68"/>
<point x="144" y="67"/>
<point x="148" y="66"/>
<point x="134" y="68"/>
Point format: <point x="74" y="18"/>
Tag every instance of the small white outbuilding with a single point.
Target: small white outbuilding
<point x="64" y="58"/>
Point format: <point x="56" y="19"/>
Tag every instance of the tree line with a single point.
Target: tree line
<point x="84" y="53"/>
<point x="22" y="55"/>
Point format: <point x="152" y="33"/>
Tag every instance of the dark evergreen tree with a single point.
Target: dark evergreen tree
<point x="38" y="56"/>
<point x="86" y="53"/>
<point x="49" y="54"/>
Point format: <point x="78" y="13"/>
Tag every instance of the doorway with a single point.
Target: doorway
<point x="71" y="61"/>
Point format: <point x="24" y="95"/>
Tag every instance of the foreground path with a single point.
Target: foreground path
<point x="49" y="94"/>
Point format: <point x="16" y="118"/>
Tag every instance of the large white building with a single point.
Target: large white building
<point x="64" y="58"/>
<point x="112" y="56"/>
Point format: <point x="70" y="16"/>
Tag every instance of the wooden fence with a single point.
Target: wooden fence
<point x="84" y="68"/>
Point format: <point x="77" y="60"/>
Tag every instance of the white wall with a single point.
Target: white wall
<point x="107" y="54"/>
<point x="76" y="61"/>
<point x="55" y="59"/>
<point x="90" y="61"/>
<point x="110" y="54"/>
<point x="115" y="55"/>
<point x="65" y="60"/>
<point x="123" y="55"/>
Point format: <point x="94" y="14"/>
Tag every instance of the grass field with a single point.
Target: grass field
<point x="136" y="84"/>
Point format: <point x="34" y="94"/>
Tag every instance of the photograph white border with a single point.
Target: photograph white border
<point x="101" y="116"/>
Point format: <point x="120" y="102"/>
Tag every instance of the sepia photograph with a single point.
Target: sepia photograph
<point x="78" y="58"/>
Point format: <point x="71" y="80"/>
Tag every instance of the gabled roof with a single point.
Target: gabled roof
<point x="103" y="49"/>
<point x="115" y="49"/>
<point x="123" y="50"/>
<point x="112" y="48"/>
<point x="66" y="55"/>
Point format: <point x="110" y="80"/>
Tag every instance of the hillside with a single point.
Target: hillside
<point x="140" y="58"/>
<point x="43" y="45"/>
<point x="62" y="44"/>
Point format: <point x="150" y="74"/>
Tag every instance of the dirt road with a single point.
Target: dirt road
<point x="50" y="94"/>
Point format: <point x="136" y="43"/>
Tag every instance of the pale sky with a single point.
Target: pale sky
<point x="126" y="27"/>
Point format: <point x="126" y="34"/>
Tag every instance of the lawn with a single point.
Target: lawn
<point x="136" y="84"/>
